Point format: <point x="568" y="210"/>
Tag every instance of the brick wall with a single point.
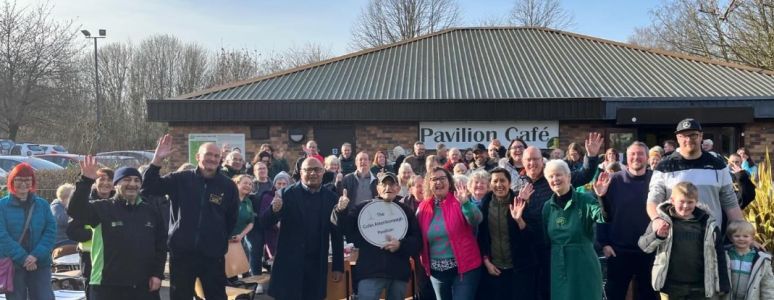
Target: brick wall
<point x="278" y="138"/>
<point x="372" y="137"/>
<point x="757" y="137"/>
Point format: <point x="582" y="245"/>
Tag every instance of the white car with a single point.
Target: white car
<point x="26" y="149"/>
<point x="8" y="162"/>
<point x="53" y="149"/>
<point x="144" y="157"/>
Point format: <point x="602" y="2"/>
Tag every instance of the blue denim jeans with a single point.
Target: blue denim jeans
<point x="371" y="289"/>
<point x="31" y="284"/>
<point x="449" y="285"/>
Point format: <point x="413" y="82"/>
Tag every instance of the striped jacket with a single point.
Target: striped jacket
<point x="710" y="175"/>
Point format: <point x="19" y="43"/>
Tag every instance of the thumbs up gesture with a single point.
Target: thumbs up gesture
<point x="343" y="201"/>
<point x="276" y="203"/>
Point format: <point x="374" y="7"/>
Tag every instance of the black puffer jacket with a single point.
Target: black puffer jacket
<point x="204" y="210"/>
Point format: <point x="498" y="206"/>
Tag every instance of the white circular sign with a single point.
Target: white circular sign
<point x="380" y="219"/>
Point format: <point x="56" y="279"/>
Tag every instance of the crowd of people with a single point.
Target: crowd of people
<point x="488" y="222"/>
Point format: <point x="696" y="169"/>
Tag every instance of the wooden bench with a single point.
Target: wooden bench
<point x="231" y="292"/>
<point x="262" y="279"/>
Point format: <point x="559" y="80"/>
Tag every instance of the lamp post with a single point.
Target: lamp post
<point x="102" y="34"/>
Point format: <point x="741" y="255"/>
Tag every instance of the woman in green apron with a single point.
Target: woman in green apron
<point x="569" y="217"/>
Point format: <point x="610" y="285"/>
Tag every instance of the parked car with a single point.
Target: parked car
<point x="63" y="160"/>
<point x="8" y="162"/>
<point x="6" y="146"/>
<point x="53" y="149"/>
<point x="26" y="149"/>
<point x="117" y="161"/>
<point x="144" y="157"/>
<point x="110" y="161"/>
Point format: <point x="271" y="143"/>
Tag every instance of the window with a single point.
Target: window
<point x="619" y="139"/>
<point x="259" y="132"/>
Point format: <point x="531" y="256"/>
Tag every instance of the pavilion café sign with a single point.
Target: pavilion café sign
<point x="541" y="134"/>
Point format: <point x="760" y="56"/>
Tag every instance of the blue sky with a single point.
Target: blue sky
<point x="274" y="25"/>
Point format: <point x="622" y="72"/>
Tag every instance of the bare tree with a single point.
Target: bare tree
<point x="307" y="54"/>
<point x="740" y="32"/>
<point x="192" y="74"/>
<point x="541" y="13"/>
<point x="388" y="21"/>
<point x="34" y="50"/>
<point x="232" y="65"/>
<point x="647" y="37"/>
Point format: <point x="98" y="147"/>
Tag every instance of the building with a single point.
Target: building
<point x="467" y="85"/>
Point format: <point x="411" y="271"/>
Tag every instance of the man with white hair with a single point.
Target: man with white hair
<point x="232" y="164"/>
<point x="706" y="145"/>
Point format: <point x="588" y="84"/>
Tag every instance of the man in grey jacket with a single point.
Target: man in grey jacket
<point x="361" y="184"/>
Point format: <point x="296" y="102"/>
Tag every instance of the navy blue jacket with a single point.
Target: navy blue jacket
<point x="204" y="210"/>
<point x="287" y="273"/>
<point x="625" y="203"/>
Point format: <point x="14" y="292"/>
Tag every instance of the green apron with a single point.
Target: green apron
<point x="575" y="270"/>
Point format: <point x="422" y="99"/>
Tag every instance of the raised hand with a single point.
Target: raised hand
<point x="462" y="193"/>
<point x="517" y="208"/>
<point x="735" y="169"/>
<point x="163" y="150"/>
<point x="276" y="203"/>
<point x="594" y="143"/>
<point x="343" y="201"/>
<point x="602" y="183"/>
<point x="526" y="191"/>
<point x="89" y="167"/>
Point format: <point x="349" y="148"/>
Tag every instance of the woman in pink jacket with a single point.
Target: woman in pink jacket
<point x="450" y="253"/>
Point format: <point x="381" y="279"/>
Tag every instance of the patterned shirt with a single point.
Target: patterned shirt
<point x="741" y="267"/>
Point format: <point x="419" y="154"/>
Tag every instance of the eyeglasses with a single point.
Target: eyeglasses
<point x="313" y="170"/>
<point x="439" y="179"/>
<point x="22" y="180"/>
<point x="517" y="147"/>
<point x="692" y="136"/>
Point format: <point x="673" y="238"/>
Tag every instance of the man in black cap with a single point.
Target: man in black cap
<point x="482" y="160"/>
<point x="690" y="163"/>
<point x="386" y="267"/>
<point x="129" y="248"/>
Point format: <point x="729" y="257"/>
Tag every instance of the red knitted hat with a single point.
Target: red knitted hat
<point x="24" y="170"/>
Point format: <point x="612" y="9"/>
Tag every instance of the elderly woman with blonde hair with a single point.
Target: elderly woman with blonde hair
<point x="59" y="210"/>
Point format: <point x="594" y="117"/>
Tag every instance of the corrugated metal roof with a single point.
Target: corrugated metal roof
<point x="503" y="63"/>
